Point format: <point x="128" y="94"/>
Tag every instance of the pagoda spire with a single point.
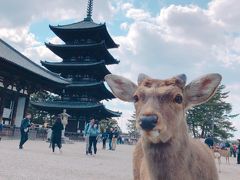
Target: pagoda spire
<point x="89" y="11"/>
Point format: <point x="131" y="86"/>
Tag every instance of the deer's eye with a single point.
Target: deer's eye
<point x="136" y="98"/>
<point x="178" y="99"/>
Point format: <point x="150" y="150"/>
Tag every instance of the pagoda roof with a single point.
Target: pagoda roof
<point x="94" y="89"/>
<point x="84" y="30"/>
<point x="66" y="51"/>
<point x="79" y="25"/>
<point x="84" y="84"/>
<point x="10" y="55"/>
<point x="95" y="68"/>
<point x="84" y="108"/>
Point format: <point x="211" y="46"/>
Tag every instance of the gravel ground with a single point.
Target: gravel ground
<point x="37" y="162"/>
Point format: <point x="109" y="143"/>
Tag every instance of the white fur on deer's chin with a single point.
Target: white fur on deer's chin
<point x="155" y="136"/>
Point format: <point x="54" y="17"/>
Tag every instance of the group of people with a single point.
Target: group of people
<point x="112" y="136"/>
<point x="56" y="136"/>
<point x="92" y="135"/>
<point x="233" y="149"/>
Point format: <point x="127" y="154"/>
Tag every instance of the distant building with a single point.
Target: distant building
<point x="84" y="58"/>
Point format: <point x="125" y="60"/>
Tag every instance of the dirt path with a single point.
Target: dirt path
<point x="36" y="162"/>
<point x="229" y="171"/>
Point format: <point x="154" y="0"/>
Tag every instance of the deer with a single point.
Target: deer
<point x="165" y="150"/>
<point x="223" y="153"/>
<point x="217" y="155"/>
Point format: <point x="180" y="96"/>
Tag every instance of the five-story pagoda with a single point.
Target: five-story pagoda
<point x="84" y="58"/>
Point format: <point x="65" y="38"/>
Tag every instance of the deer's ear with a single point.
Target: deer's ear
<point x="202" y="89"/>
<point x="121" y="87"/>
<point x="181" y="80"/>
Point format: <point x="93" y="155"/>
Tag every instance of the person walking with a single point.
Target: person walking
<point x="86" y="133"/>
<point x="238" y="152"/>
<point x="93" y="134"/>
<point x="209" y="141"/>
<point x="234" y="150"/>
<point x="114" y="139"/>
<point x="1" y="128"/>
<point x="104" y="138"/>
<point x="24" y="129"/>
<point x="110" y="137"/>
<point x="57" y="134"/>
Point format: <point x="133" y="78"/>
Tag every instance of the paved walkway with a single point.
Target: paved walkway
<point x="37" y="162"/>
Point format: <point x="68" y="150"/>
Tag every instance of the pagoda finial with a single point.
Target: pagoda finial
<point x="89" y="11"/>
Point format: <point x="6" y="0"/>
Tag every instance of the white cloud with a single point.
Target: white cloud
<point x="137" y="14"/>
<point x="21" y="13"/>
<point x="124" y="26"/>
<point x="126" y="6"/>
<point x="227" y="12"/>
<point x="20" y="37"/>
<point x="39" y="53"/>
<point x="190" y="24"/>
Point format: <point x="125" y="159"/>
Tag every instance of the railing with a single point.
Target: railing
<point x="36" y="134"/>
<point x="80" y="80"/>
<point x="13" y="132"/>
<point x="74" y="136"/>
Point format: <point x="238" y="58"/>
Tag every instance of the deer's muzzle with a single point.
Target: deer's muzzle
<point x="148" y="122"/>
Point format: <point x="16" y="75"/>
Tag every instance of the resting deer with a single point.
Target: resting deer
<point x="165" y="151"/>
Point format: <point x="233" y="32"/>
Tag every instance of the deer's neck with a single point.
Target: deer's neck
<point x="164" y="159"/>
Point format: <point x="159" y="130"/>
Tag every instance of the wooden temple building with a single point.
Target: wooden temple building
<point x="19" y="78"/>
<point x="84" y="57"/>
<point x="78" y="79"/>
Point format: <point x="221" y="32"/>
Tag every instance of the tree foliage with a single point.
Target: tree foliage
<point x="106" y="124"/>
<point x="39" y="116"/>
<point x="212" y="117"/>
<point x="131" y="126"/>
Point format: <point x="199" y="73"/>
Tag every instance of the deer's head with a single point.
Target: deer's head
<point x="161" y="104"/>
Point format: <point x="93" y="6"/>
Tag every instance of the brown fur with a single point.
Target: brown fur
<point x="217" y="156"/>
<point x="181" y="158"/>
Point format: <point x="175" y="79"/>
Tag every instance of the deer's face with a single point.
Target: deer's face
<point x="159" y="108"/>
<point x="160" y="104"/>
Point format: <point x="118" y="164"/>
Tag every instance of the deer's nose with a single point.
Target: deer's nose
<point x="148" y="122"/>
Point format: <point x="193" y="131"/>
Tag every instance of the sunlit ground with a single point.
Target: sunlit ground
<point x="37" y="162"/>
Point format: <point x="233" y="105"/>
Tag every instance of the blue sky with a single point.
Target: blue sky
<point x="41" y="30"/>
<point x="161" y="38"/>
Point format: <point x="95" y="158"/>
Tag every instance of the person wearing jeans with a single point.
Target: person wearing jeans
<point x="93" y="134"/>
<point x="114" y="139"/>
<point x="24" y="129"/>
<point x="104" y="138"/>
<point x="86" y="134"/>
<point x="110" y="136"/>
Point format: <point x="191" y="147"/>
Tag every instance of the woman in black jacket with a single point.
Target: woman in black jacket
<point x="57" y="134"/>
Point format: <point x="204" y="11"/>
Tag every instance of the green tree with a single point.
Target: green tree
<point x="131" y="126"/>
<point x="109" y="123"/>
<point x="212" y="117"/>
<point x="39" y="116"/>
